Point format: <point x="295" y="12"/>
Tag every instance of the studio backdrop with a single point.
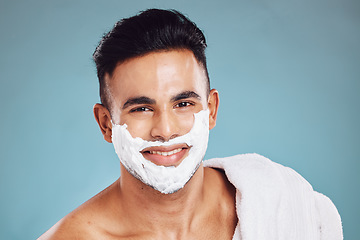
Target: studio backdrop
<point x="287" y="72"/>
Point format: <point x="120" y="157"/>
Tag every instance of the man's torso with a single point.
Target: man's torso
<point x="102" y="218"/>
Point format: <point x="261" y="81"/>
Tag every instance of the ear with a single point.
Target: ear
<point x="213" y="105"/>
<point x="103" y="118"/>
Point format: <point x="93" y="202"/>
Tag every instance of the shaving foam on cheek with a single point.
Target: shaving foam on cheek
<point x="164" y="179"/>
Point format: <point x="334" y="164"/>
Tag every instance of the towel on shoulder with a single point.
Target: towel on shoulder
<point x="273" y="202"/>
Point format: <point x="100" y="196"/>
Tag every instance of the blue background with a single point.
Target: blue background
<point x="287" y="71"/>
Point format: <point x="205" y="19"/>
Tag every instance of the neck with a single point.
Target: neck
<point x="172" y="213"/>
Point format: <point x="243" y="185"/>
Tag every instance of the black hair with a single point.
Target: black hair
<point x="149" y="31"/>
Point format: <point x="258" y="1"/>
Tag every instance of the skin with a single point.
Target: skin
<point x="129" y="209"/>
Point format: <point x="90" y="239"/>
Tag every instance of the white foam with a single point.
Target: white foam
<point x="164" y="179"/>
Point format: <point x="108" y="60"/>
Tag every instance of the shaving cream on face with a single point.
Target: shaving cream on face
<point x="165" y="179"/>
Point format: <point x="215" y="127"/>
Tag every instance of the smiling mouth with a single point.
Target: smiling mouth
<point x="166" y="153"/>
<point x="166" y="156"/>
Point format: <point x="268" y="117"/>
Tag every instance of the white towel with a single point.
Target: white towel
<point x="274" y="202"/>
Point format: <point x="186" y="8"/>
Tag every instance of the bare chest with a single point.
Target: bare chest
<point x="212" y="230"/>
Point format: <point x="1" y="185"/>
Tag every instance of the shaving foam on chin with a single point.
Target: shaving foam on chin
<point x="165" y="179"/>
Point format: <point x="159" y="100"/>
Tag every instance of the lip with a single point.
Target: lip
<point x="177" y="153"/>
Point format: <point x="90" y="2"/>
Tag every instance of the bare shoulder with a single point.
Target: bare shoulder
<point x="222" y="194"/>
<point x="217" y="180"/>
<point x="88" y="221"/>
<point x="71" y="226"/>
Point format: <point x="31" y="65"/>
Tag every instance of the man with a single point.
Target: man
<point x="157" y="109"/>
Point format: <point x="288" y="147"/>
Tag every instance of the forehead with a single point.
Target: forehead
<point x="158" y="75"/>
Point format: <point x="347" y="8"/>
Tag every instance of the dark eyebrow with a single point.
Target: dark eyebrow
<point x="138" y="100"/>
<point x="184" y="95"/>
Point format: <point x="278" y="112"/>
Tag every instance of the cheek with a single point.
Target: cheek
<point x="185" y="122"/>
<point x="139" y="128"/>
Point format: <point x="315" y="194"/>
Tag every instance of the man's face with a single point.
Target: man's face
<point x="156" y="95"/>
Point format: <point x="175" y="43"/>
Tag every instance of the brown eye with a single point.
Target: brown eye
<point x="140" y="109"/>
<point x="184" y="104"/>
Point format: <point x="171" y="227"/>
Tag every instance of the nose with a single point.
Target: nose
<point x="165" y="127"/>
